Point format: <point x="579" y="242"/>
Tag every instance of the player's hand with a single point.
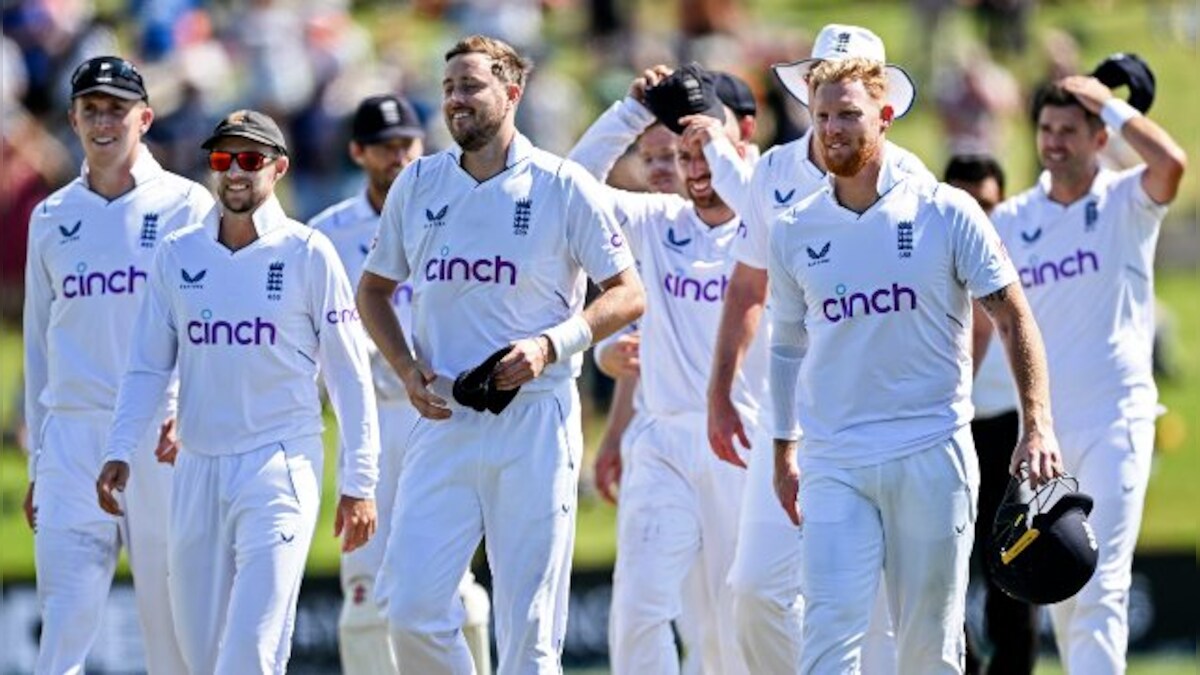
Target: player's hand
<point x="416" y="383"/>
<point x="1037" y="454"/>
<point x="700" y="130"/>
<point x="354" y="522"/>
<point x="724" y="426"/>
<point x="1091" y="92"/>
<point x="113" y="478"/>
<point x="526" y="361"/>
<point x="608" y="469"/>
<point x="29" y="508"/>
<point x="621" y="357"/>
<point x="168" y="442"/>
<point x="649" y="78"/>
<point x="787" y="479"/>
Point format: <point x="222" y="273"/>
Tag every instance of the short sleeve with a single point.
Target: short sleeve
<point x="981" y="262"/>
<point x="594" y="237"/>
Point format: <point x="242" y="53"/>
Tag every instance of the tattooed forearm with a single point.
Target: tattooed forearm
<point x="1027" y="355"/>
<point x="993" y="300"/>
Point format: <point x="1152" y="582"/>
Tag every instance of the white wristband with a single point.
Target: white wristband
<point x="570" y="337"/>
<point x="1116" y="113"/>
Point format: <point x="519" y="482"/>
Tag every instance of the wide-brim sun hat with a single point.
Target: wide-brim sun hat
<point x="838" y="41"/>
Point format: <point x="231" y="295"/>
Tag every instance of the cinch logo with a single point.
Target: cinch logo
<point x="219" y="332"/>
<point x="494" y="270"/>
<point x="436" y="219"/>
<point x="616" y="240"/>
<point x="1074" y="265"/>
<point x="674" y="242"/>
<point x="86" y="284"/>
<point x="679" y="285"/>
<point x="70" y="233"/>
<point x="336" y="316"/>
<point x="818" y="257"/>
<point x="879" y="301"/>
<point x="402" y="295"/>
<point x="783" y="199"/>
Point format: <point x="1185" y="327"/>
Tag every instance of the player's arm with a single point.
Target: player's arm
<point x="342" y="356"/>
<point x="39" y="295"/>
<point x="1165" y="160"/>
<point x="731" y="174"/>
<point x="617" y="355"/>
<point x="981" y="335"/>
<point x="1018" y="331"/>
<point x="152" y="357"/>
<point x="607" y="139"/>
<point x="608" y="458"/>
<point x="789" y="343"/>
<point x="744" y="301"/>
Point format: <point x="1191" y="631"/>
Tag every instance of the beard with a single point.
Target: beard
<point x="240" y="202"/>
<point x="849" y="165"/>
<point x="479" y="134"/>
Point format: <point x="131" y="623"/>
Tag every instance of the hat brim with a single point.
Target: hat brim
<point x="901" y="92"/>
<point x="111" y="91"/>
<point x="389" y="134"/>
<point x="257" y="138"/>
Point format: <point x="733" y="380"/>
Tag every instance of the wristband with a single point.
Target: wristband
<point x="569" y="337"/>
<point x="1116" y="113"/>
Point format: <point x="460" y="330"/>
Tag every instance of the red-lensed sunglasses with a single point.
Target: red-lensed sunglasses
<point x="246" y="161"/>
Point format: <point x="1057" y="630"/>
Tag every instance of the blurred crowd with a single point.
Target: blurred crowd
<point x="307" y="63"/>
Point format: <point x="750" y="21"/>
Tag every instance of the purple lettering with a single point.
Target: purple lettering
<point x="1077" y="264"/>
<point x="879" y="301"/>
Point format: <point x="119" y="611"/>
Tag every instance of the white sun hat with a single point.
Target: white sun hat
<point x="837" y="41"/>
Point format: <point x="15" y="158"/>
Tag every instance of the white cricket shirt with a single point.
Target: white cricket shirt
<point x="885" y="301"/>
<point x="1088" y="271"/>
<point x="250" y="330"/>
<point x="352" y="225"/>
<point x="686" y="266"/>
<point x="496" y="261"/>
<point x="782" y="177"/>
<point x="89" y="262"/>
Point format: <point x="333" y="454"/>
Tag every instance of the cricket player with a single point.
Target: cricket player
<point x="495" y="236"/>
<point x="251" y="306"/>
<point x="1010" y="625"/>
<point x="386" y="136"/>
<point x="91" y="246"/>
<point x="871" y="279"/>
<point x="1083" y="240"/>
<point x="679" y="504"/>
<point x="769" y="606"/>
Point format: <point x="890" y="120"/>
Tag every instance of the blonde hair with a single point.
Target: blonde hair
<point x="870" y="73"/>
<point x="507" y="65"/>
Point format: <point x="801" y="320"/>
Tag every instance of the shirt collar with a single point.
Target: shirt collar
<point x="518" y="150"/>
<point x="1099" y="184"/>
<point x="145" y="167"/>
<point x="362" y="206"/>
<point x="267" y="217"/>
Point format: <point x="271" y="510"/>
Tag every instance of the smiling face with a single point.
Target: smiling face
<point x="476" y="103"/>
<point x="1067" y="143"/>
<point x="242" y="191"/>
<point x="108" y="127"/>
<point x="850" y="124"/>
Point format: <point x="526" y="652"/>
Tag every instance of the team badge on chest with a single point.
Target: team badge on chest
<point x="149" y="234"/>
<point x="275" y="280"/>
<point x="521" y="215"/>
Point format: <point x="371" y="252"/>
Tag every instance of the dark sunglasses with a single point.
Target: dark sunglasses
<point x="246" y="161"/>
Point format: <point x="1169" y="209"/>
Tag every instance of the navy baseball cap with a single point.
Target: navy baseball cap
<point x="691" y="90"/>
<point x="110" y="75"/>
<point x="736" y="94"/>
<point x="1128" y="70"/>
<point x="381" y="118"/>
<point x="249" y="124"/>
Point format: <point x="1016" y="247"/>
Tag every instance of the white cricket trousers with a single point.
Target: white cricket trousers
<point x="768" y="606"/>
<point x="363" y="641"/>
<point x="677" y="514"/>
<point x="914" y="518"/>
<point x="76" y="544"/>
<point x="1113" y="466"/>
<point x="513" y="478"/>
<point x="241" y="526"/>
